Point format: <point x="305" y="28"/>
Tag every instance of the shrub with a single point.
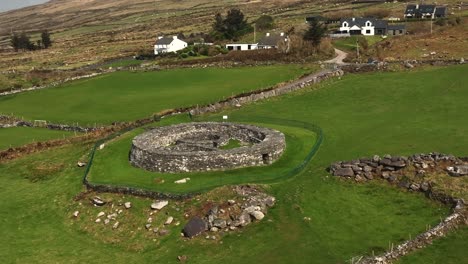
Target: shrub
<point x="183" y="55"/>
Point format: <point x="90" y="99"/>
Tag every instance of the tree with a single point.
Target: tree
<point x="264" y="22"/>
<point x="315" y="33"/>
<point x="45" y="36"/>
<point x="15" y="41"/>
<point x="231" y="27"/>
<point x="25" y="42"/>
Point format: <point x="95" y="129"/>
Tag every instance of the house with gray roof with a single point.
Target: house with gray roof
<point x="271" y="41"/>
<point x="168" y="44"/>
<point x="425" y="11"/>
<point x="369" y="26"/>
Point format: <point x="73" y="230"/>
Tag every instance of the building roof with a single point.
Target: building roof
<point x="419" y="9"/>
<point x="441" y="10"/>
<point x="271" y="40"/>
<point x="361" y="22"/>
<point x="396" y="27"/>
<point x="164" y="41"/>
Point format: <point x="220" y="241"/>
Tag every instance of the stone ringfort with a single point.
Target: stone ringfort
<point x="199" y="147"/>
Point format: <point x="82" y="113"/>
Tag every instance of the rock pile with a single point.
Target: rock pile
<point x="393" y="168"/>
<point x="233" y="214"/>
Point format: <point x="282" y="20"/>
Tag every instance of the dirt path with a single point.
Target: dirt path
<point x="340" y="56"/>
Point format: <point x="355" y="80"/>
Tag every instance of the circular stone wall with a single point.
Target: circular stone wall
<point x="198" y="147"/>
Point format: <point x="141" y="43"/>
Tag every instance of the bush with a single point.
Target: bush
<point x="183" y="55"/>
<point x="440" y="22"/>
<point x="264" y="22"/>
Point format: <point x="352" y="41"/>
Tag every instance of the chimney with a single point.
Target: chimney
<point x="174" y="37"/>
<point x="282" y="34"/>
<point x="267" y="34"/>
<point x="160" y="37"/>
<point x="354" y="19"/>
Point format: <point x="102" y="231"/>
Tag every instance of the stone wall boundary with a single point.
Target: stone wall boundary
<point x="366" y="169"/>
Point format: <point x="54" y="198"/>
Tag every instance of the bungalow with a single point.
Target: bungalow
<point x="425" y="11"/>
<point x="168" y="44"/>
<point x="271" y="41"/>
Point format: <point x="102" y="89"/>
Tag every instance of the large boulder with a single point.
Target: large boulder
<point x="158" y="205"/>
<point x="257" y="215"/>
<point x="345" y="172"/>
<point x="194" y="227"/>
<point x="459" y="170"/>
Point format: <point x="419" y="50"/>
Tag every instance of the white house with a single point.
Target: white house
<point x="363" y="26"/>
<point x="168" y="44"/>
<point x="269" y="41"/>
<point x="241" y="46"/>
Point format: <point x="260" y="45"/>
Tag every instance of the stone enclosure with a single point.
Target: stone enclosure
<point x="199" y="147"/>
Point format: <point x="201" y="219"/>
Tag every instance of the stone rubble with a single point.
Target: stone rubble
<point x="253" y="207"/>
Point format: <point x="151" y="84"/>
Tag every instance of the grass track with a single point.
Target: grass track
<point x="361" y="115"/>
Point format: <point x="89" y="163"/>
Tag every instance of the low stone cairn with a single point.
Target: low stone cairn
<point x="233" y="214"/>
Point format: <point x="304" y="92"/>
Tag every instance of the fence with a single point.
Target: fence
<point x="182" y="195"/>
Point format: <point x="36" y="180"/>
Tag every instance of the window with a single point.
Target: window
<point x="368" y="24"/>
<point x="345" y="24"/>
<point x="368" y="31"/>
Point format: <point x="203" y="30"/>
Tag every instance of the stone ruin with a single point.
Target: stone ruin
<point x="198" y="147"/>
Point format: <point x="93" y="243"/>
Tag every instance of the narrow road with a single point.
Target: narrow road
<point x="340" y="56"/>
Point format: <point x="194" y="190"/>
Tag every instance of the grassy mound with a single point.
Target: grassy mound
<point x="126" y="96"/>
<point x="361" y="115"/>
<point x="18" y="136"/>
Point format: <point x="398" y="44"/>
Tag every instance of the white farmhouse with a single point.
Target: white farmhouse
<point x="168" y="44"/>
<point x="360" y="26"/>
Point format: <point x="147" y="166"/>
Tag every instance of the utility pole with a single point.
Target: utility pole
<point x="255" y="32"/>
<point x="357" y="47"/>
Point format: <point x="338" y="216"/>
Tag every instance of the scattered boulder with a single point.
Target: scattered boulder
<point x="101" y="214"/>
<point x="163" y="232"/>
<point x="184" y="180"/>
<point x="116" y="225"/>
<point x="76" y="213"/>
<point x="182" y="258"/>
<point x="169" y="220"/>
<point x="97" y="201"/>
<point x="81" y="164"/>
<point x="158" y="205"/>
<point x="257" y="215"/>
<point x="346" y="172"/>
<point x="128" y="205"/>
<point x="220" y="223"/>
<point x="458" y="170"/>
<point x="194" y="227"/>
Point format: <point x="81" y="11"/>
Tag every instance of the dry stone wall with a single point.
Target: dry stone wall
<point x="395" y="170"/>
<point x="195" y="147"/>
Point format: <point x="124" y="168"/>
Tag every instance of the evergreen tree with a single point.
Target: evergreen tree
<point x="45" y="36"/>
<point x="315" y="33"/>
<point x="15" y="42"/>
<point x="264" y="22"/>
<point x="25" y="42"/>
<point x="235" y="24"/>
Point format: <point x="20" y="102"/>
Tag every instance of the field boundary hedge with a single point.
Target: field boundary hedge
<point x="183" y="195"/>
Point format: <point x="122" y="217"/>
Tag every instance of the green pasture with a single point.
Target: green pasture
<point x="349" y="44"/>
<point x="398" y="113"/>
<point x="18" y="136"/>
<point x="126" y="96"/>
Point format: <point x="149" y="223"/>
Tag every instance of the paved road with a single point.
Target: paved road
<point x="340" y="56"/>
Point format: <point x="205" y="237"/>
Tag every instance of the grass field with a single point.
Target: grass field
<point x="111" y="165"/>
<point x="125" y="96"/>
<point x="18" y="136"/>
<point x="361" y="115"/>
